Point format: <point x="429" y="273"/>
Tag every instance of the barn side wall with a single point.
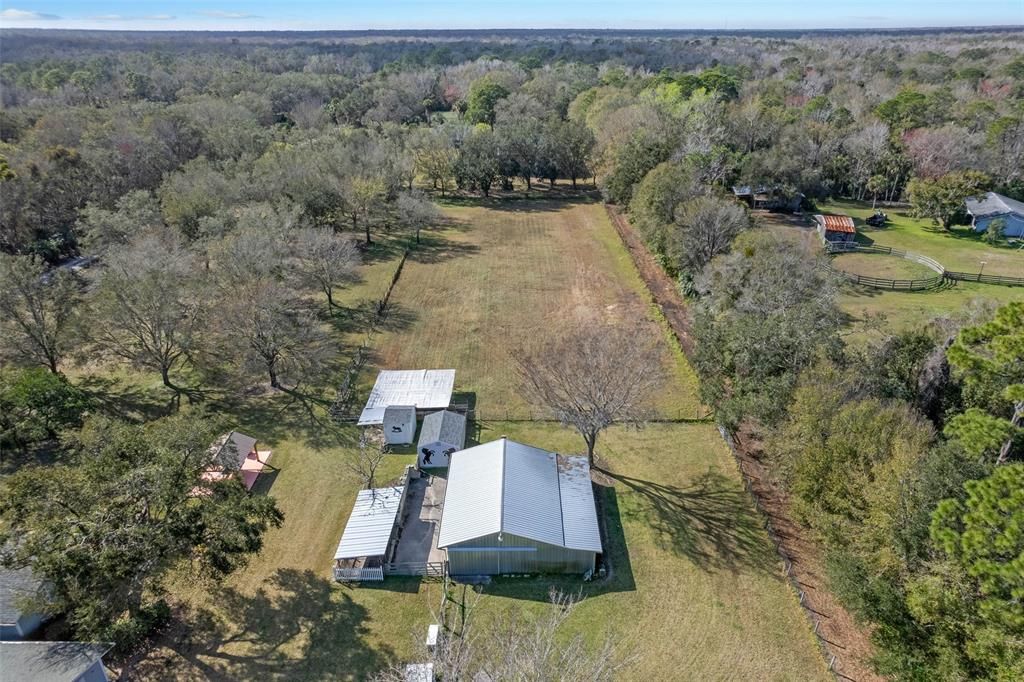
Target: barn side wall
<point x="513" y="554"/>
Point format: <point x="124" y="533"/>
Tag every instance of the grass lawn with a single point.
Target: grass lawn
<point x="504" y="274"/>
<point x="960" y="249"/>
<point x="695" y="592"/>
<point x="905" y="310"/>
<point x="881" y="265"/>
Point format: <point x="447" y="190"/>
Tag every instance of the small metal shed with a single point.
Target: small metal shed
<point x="443" y="433"/>
<point x="399" y="424"/>
<point x="363" y="548"/>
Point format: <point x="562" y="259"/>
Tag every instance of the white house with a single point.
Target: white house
<point x="53" y="661"/>
<point x="442" y="434"/>
<point x="17" y="586"/>
<point x="513" y="508"/>
<point x="992" y="206"/>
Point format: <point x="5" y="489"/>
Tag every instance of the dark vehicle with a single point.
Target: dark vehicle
<point x="877" y="220"/>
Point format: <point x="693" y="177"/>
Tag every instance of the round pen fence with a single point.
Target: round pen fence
<point x="942" y="275"/>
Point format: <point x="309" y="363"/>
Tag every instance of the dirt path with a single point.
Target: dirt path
<point x="849" y="642"/>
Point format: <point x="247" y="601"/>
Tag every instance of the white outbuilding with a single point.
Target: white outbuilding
<point x="399" y="424"/>
<point x="442" y="434"/>
<point x="426" y="389"/>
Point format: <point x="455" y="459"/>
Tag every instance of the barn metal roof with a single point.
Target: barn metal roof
<point x="369" y="527"/>
<point x="837" y="223"/>
<point x="508" y="487"/>
<point x="992" y="204"/>
<point x="579" y="516"/>
<point x="443" y="427"/>
<point x="424" y="388"/>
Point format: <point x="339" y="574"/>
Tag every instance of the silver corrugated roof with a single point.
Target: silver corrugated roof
<point x="369" y="527"/>
<point x="509" y="487"/>
<point x="443" y="427"/>
<point x="472" y="499"/>
<point x="424" y="388"/>
<point x="579" y="515"/>
<point x="531" y="506"/>
<point x="992" y="204"/>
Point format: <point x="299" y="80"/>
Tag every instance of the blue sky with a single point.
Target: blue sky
<point x="384" y="14"/>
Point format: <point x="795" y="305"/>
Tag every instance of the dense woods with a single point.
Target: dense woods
<point x="223" y="189"/>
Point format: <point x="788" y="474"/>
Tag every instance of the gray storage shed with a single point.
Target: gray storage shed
<point x="513" y="508"/>
<point x="442" y="434"/>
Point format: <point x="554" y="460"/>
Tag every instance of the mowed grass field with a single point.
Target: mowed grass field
<point x="695" y="592"/>
<point x="881" y="265"/>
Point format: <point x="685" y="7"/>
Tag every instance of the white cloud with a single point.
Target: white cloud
<point x="26" y="15"/>
<point x="221" y="14"/>
<point x="121" y="17"/>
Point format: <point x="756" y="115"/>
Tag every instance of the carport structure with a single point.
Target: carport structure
<point x="363" y="549"/>
<point x="426" y="389"/>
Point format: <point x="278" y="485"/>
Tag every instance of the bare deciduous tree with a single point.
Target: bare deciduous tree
<point x="705" y="226"/>
<point x="325" y="260"/>
<point x="416" y="212"/>
<point x="146" y="309"/>
<point x="262" y="328"/>
<point x="520" y="648"/>
<point x="591" y="377"/>
<point x="36" y="310"/>
<point x="365" y="463"/>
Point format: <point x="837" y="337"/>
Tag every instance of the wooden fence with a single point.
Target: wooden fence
<point x="943" y="275"/>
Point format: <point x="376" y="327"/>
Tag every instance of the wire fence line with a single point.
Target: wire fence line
<point x="341" y="407"/>
<point x="831" y="658"/>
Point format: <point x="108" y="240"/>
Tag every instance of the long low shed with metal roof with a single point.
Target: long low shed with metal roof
<point x="364" y="545"/>
<point x="513" y="508"/>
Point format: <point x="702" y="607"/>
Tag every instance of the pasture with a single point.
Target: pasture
<point x="695" y="590"/>
<point x="905" y="310"/>
<point x="959" y="249"/>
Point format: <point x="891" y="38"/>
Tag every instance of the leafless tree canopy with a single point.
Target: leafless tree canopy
<point x="366" y="461"/>
<point x="521" y="650"/>
<point x="593" y="376"/>
<point x="325" y="260"/>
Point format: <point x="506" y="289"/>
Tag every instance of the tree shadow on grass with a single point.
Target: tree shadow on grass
<point x="300" y="626"/>
<point x="711" y="522"/>
<point x="122" y="400"/>
<point x="289" y="414"/>
<point x="436" y="248"/>
<point x="358" y="318"/>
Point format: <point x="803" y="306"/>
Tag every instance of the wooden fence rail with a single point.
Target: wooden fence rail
<point x="944" y="275"/>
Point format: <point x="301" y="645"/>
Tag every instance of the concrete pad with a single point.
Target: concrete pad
<point x="418" y="541"/>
